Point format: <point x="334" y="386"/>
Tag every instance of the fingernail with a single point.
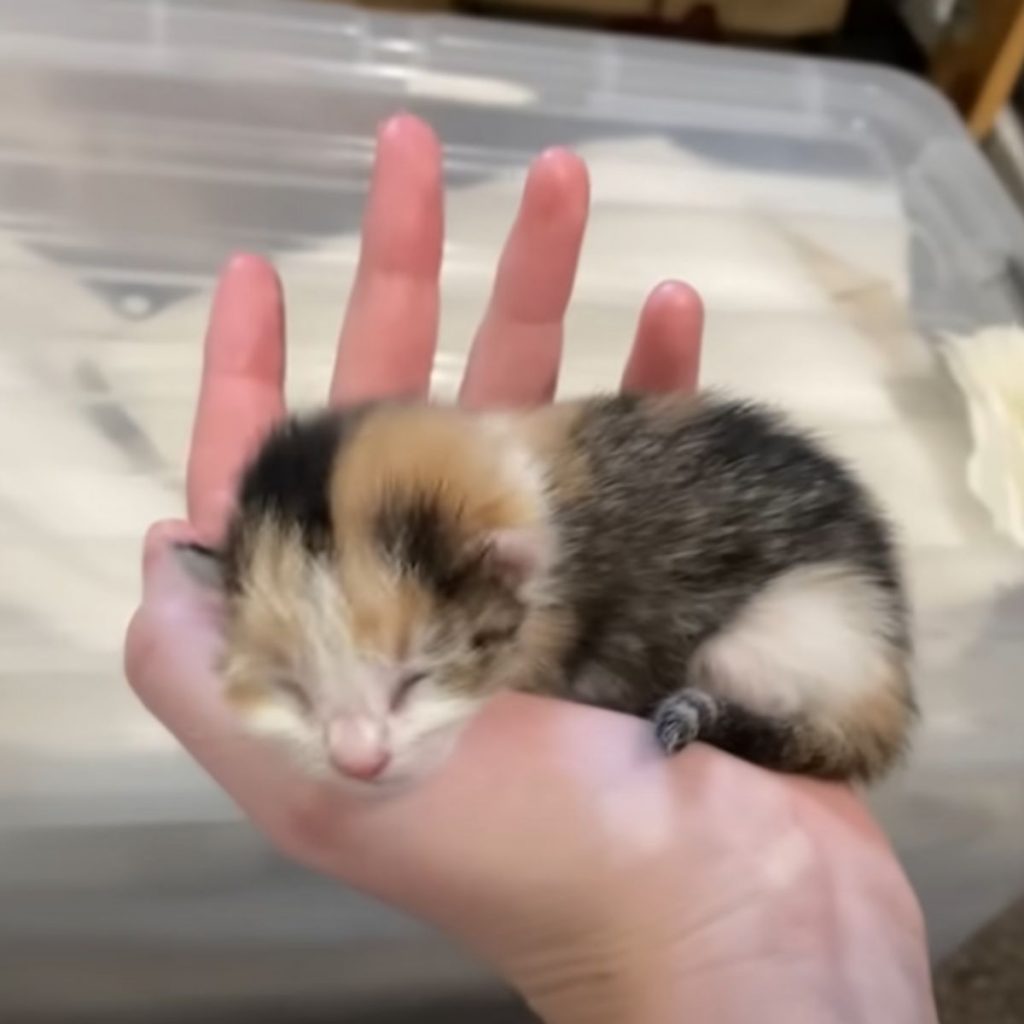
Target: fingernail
<point x="401" y="124"/>
<point x="556" y="176"/>
<point x="390" y="125"/>
<point x="160" y="536"/>
<point x="679" y="293"/>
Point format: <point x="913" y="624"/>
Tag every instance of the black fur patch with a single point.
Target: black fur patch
<point x="414" y="531"/>
<point x="288" y="482"/>
<point x="785" y="744"/>
<point x="688" y="517"/>
<point x="289" y="479"/>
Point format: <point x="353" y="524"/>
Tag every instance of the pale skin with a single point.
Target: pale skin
<point x="601" y="879"/>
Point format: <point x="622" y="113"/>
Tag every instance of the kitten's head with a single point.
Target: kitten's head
<point x="380" y="574"/>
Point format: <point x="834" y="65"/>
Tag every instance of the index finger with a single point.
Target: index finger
<point x="241" y="394"/>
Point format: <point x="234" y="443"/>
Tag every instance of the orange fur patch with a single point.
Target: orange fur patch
<point x="247" y="697"/>
<point x="547" y="433"/>
<point x="880" y="720"/>
<point x="389" y="609"/>
<point x="433" y="449"/>
<point x="864" y="738"/>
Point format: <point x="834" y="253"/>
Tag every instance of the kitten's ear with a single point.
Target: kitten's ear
<point x="518" y="555"/>
<point x="204" y="565"/>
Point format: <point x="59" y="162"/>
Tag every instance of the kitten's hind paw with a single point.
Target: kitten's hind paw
<point x="681" y="718"/>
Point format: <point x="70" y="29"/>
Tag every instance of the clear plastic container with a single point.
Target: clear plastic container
<point x="835" y="218"/>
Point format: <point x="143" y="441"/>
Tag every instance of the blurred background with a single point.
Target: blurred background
<point x="840" y="180"/>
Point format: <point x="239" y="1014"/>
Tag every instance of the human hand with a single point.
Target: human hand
<point x="604" y="880"/>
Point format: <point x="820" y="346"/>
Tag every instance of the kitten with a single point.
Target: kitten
<point x="689" y="559"/>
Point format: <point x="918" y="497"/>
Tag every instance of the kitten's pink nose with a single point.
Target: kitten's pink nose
<point x="358" y="747"/>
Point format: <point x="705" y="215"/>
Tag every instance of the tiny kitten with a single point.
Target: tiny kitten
<point x="692" y="560"/>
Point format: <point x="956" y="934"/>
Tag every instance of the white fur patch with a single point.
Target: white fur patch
<point x="812" y="640"/>
<point x="425" y="730"/>
<point x="341" y="684"/>
<point x="519" y="466"/>
<point x="523" y="472"/>
<point x="281" y="723"/>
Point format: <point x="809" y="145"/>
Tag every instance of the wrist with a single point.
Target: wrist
<point x="823" y="942"/>
<point x="657" y="972"/>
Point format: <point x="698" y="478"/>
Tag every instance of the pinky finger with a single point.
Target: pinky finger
<point x="666" y="350"/>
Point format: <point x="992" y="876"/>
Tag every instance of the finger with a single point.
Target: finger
<point x="172" y="643"/>
<point x="516" y="352"/>
<point x="160" y="536"/>
<point x="175" y="637"/>
<point x="240" y="396"/>
<point x="390" y="331"/>
<point x="666" y="351"/>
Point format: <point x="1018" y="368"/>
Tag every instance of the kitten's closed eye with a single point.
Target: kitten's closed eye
<point x="405" y="686"/>
<point x="489" y="637"/>
<point x="295" y="693"/>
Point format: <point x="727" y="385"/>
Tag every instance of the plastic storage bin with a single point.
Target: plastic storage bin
<point x="834" y="217"/>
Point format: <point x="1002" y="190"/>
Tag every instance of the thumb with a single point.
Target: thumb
<point x="174" y="637"/>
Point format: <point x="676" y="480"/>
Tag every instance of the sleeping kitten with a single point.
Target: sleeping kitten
<point x="688" y="559"/>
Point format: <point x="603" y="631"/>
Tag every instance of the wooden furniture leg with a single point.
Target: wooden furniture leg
<point x="978" y="61"/>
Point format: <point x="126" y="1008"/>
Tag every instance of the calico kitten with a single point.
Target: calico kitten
<point x="689" y="559"/>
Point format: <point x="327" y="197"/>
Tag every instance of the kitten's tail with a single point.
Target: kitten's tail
<point x="860" y="743"/>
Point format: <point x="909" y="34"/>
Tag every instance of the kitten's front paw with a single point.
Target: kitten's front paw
<point x="679" y="718"/>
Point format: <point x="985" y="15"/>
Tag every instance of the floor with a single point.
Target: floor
<point x="983" y="981"/>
